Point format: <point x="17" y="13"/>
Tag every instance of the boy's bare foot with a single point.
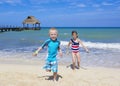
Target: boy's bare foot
<point x="73" y="68"/>
<point x="54" y="80"/>
<point x="48" y="70"/>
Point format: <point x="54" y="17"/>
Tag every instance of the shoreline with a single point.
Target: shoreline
<point x="38" y="61"/>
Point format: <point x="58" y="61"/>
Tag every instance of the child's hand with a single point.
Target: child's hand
<point x="35" y="53"/>
<point x="67" y="52"/>
<point x="61" y="54"/>
<point x="87" y="51"/>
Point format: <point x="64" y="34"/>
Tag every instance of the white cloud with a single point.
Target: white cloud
<point x="118" y="8"/>
<point x="95" y="5"/>
<point x="43" y="1"/>
<point x="40" y="10"/>
<point x="1" y="2"/>
<point x="117" y="2"/>
<point x="106" y="3"/>
<point x="54" y="1"/>
<point x="77" y="5"/>
<point x="81" y="5"/>
<point x="99" y="9"/>
<point x="11" y="2"/>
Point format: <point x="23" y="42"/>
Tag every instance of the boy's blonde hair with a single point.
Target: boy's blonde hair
<point x="53" y="29"/>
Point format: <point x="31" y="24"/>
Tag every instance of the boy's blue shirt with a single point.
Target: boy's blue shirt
<point x="53" y="46"/>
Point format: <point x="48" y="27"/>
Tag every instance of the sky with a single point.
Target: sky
<point x="62" y="13"/>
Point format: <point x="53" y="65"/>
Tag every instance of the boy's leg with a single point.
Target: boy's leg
<point x="78" y="59"/>
<point x="73" y="60"/>
<point x="54" y="76"/>
<point x="47" y="66"/>
<point x="54" y="67"/>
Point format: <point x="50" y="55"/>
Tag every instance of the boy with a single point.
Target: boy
<point x="53" y="47"/>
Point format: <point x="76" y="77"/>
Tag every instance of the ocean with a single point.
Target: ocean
<point x="103" y="43"/>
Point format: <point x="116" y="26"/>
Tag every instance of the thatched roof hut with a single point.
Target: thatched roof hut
<point x="31" y="20"/>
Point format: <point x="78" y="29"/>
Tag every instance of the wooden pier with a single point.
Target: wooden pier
<point x="7" y="29"/>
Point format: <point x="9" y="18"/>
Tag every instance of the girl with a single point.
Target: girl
<point x="75" y="42"/>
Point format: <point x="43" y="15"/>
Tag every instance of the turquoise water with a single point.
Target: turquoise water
<point x="103" y="43"/>
<point x="32" y="38"/>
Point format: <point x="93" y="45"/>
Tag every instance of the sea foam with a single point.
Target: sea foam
<point x="97" y="45"/>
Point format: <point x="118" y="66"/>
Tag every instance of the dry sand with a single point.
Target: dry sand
<point x="34" y="75"/>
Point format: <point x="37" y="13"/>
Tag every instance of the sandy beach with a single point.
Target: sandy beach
<point x="34" y="75"/>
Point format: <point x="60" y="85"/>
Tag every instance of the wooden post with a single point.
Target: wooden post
<point x="33" y="27"/>
<point x="23" y="25"/>
<point x="27" y="25"/>
<point x="39" y="25"/>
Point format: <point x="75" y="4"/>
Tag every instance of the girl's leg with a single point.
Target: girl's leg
<point x="78" y="59"/>
<point x="54" y="76"/>
<point x="73" y="60"/>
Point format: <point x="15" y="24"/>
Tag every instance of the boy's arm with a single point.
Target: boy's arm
<point x="37" y="51"/>
<point x="83" y="45"/>
<point x="40" y="48"/>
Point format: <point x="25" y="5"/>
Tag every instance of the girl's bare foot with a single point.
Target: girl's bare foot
<point x="73" y="66"/>
<point x="78" y="67"/>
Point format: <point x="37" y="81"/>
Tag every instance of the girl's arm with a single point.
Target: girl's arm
<point x="60" y="52"/>
<point x="68" y="46"/>
<point x="83" y="45"/>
